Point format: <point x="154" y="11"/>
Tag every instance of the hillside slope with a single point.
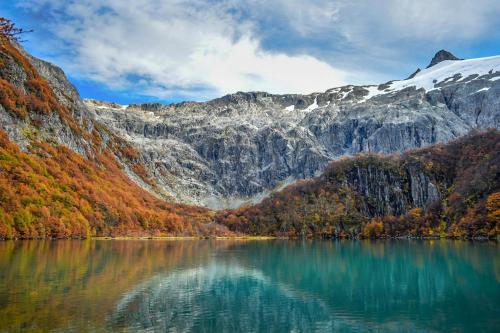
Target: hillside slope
<point x="445" y="190"/>
<point x="237" y="148"/>
<point x="64" y="175"/>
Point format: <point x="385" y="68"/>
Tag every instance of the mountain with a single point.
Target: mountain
<point x="78" y="168"/>
<point x="62" y="174"/>
<point x="239" y="148"/>
<point x="448" y="190"/>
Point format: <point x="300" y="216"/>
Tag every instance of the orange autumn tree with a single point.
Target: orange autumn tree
<point x="493" y="209"/>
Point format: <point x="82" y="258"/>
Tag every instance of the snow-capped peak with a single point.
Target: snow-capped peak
<point x="447" y="69"/>
<point x="443" y="71"/>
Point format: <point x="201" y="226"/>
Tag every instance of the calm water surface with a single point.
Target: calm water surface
<point x="254" y="286"/>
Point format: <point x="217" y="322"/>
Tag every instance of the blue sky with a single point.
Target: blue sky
<point x="174" y="50"/>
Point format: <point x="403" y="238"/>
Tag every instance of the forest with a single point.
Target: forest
<point x="374" y="196"/>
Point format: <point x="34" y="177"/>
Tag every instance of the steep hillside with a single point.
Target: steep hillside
<point x="445" y="190"/>
<point x="62" y="174"/>
<point x="237" y="148"/>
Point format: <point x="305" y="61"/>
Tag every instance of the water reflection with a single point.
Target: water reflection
<point x="217" y="298"/>
<point x="206" y="286"/>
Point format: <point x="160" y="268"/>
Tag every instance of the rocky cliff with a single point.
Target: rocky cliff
<point x="38" y="101"/>
<point x="239" y="147"/>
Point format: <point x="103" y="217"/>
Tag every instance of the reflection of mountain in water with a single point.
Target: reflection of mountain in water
<point x="221" y="298"/>
<point x="319" y="286"/>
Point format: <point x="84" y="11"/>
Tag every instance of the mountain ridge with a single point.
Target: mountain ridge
<point x="241" y="146"/>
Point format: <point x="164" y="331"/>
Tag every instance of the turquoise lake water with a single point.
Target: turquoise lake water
<point x="249" y="286"/>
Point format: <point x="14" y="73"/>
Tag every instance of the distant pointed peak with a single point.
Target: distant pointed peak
<point x="442" y="55"/>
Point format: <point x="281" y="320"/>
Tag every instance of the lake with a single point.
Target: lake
<point x="253" y="286"/>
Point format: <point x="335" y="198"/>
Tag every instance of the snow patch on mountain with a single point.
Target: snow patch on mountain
<point x="446" y="70"/>
<point x="313" y="106"/>
<point x="483" y="89"/>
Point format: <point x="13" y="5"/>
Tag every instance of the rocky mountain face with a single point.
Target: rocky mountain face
<point x="442" y="55"/>
<point x="21" y="74"/>
<point x="237" y="148"/>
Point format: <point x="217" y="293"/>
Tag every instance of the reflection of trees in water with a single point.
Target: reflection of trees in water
<point x="61" y="284"/>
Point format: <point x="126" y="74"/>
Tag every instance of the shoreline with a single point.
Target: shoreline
<point x="186" y="238"/>
<point x="254" y="238"/>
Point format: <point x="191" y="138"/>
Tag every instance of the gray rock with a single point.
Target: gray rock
<point x="49" y="127"/>
<point x="383" y="190"/>
<point x="224" y="152"/>
<point x="442" y="55"/>
<point x="412" y="75"/>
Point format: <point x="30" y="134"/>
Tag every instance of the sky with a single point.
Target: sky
<point x="174" y="50"/>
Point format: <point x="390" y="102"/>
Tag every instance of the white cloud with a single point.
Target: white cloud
<point x="380" y="40"/>
<point x="388" y="20"/>
<point x="193" y="49"/>
<point x="201" y="49"/>
<point x="229" y="65"/>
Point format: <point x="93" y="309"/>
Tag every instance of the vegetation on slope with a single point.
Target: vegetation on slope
<point x="374" y="196"/>
<point x="52" y="191"/>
